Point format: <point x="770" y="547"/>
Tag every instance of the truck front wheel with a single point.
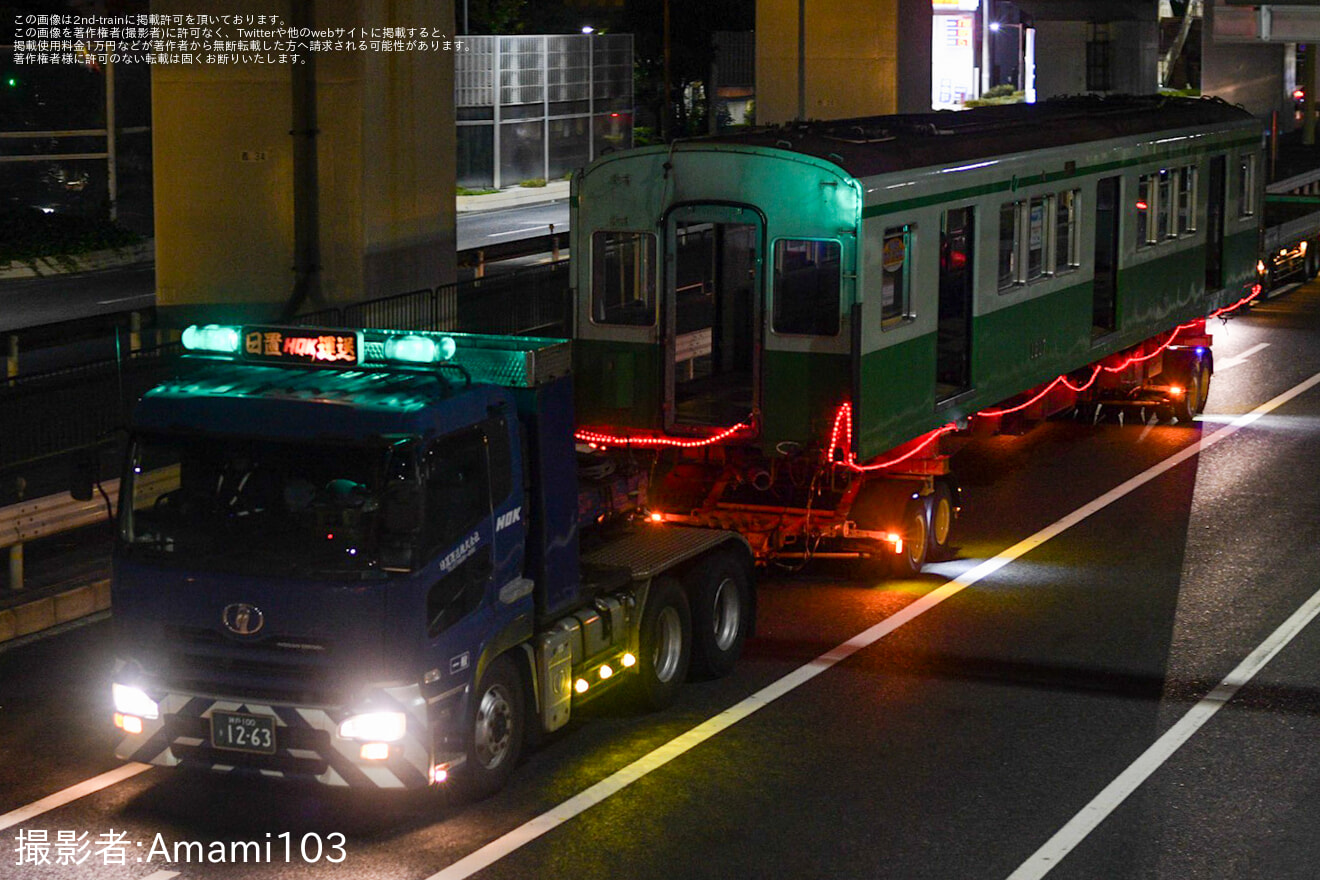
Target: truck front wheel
<point x="494" y="731"/>
<point x="664" y="647"/>
<point x="721" y="598"/>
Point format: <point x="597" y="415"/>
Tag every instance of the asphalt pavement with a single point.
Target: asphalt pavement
<point x="1060" y="699"/>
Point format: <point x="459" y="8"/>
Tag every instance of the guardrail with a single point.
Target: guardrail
<point x="1306" y="183"/>
<point x="45" y="517"/>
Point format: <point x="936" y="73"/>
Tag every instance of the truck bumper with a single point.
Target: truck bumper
<point x="307" y="744"/>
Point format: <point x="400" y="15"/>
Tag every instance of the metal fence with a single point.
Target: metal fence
<point x="45" y="415"/>
<point x="532" y="107"/>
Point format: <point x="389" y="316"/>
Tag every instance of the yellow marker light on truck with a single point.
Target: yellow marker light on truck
<point x="606" y="672"/>
<point x="1175" y="391"/>
<point x="414" y="349"/>
<point x="628" y="661"/>
<point x="375" y="751"/>
<point x="896" y="540"/>
<point x="133" y="701"/>
<point x="217" y="338"/>
<point x="379" y="727"/>
<point x="581" y="685"/>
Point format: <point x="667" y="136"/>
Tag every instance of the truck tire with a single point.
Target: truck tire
<point x="942" y="513"/>
<point x="720" y="596"/>
<point x="664" y="644"/>
<point x="494" y="732"/>
<point x="916" y="540"/>
<point x="1203" y="368"/>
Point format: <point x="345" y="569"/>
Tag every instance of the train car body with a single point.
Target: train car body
<point x="917" y="269"/>
<point x="924" y="266"/>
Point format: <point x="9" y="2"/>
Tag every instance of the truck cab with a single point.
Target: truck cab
<point x="357" y="556"/>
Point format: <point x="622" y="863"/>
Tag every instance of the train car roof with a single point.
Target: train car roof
<point x="874" y="145"/>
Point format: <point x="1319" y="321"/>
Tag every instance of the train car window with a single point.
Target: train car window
<point x="1038" y="237"/>
<point x="1187" y="200"/>
<point x="1145" y="196"/>
<point x="1247" y="185"/>
<point x="1164" y="206"/>
<point x="806" y="294"/>
<point x="1065" y="230"/>
<point x="1009" y="245"/>
<point x="896" y="274"/>
<point x="623" y="278"/>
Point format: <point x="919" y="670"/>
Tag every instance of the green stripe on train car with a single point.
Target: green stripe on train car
<point x="898" y="396"/>
<point x="801" y="392"/>
<point x="617" y="383"/>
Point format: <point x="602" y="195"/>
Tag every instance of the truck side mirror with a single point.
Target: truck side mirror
<point x="83" y="473"/>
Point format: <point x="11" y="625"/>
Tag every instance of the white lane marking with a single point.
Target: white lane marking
<point x="1070" y="835"/>
<point x="1236" y="359"/>
<point x="161" y="875"/>
<point x="545" y="226"/>
<point x="621" y="779"/>
<point x="70" y="794"/>
<point x="106" y="302"/>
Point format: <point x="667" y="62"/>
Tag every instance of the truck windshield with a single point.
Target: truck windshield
<point x="253" y="506"/>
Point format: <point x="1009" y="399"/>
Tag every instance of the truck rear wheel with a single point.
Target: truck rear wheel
<point x="494" y="732"/>
<point x="721" y="600"/>
<point x="665" y="644"/>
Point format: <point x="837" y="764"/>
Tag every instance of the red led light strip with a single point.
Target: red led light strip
<point x="627" y="440"/>
<point x="843" y="418"/>
<point x="1135" y="359"/>
<point x="842" y="431"/>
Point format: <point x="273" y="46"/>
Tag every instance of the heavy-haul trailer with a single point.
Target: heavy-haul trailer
<point x="379" y="559"/>
<point x="796" y="315"/>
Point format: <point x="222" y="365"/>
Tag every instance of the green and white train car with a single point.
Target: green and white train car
<point x="919" y="268"/>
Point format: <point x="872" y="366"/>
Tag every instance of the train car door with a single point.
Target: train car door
<point x="953" y="353"/>
<point x="1214" y="224"/>
<point x="711" y="315"/>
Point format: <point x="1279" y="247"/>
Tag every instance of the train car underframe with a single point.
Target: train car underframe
<point x="899" y="508"/>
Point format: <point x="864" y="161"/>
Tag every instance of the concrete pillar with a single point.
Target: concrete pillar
<point x="245" y="216"/>
<point x="857" y="59"/>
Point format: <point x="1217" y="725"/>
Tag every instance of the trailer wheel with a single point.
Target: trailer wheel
<point x="1203" y="368"/>
<point x="916" y="540"/>
<point x="496" y="722"/>
<point x="664" y="644"/>
<point x="721" y="601"/>
<point x="942" y="514"/>
<point x="1184" y="406"/>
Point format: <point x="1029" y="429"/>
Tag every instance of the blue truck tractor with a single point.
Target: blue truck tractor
<point x="380" y="559"/>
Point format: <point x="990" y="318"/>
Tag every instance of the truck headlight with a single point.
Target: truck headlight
<point x="134" y="701"/>
<point x="375" y="726"/>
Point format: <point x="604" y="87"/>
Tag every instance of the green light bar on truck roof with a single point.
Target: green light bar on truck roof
<point x="512" y="361"/>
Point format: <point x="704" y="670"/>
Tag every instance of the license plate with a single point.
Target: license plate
<point x="243" y="733"/>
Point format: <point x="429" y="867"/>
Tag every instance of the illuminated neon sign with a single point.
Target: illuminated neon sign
<point x="295" y="345"/>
